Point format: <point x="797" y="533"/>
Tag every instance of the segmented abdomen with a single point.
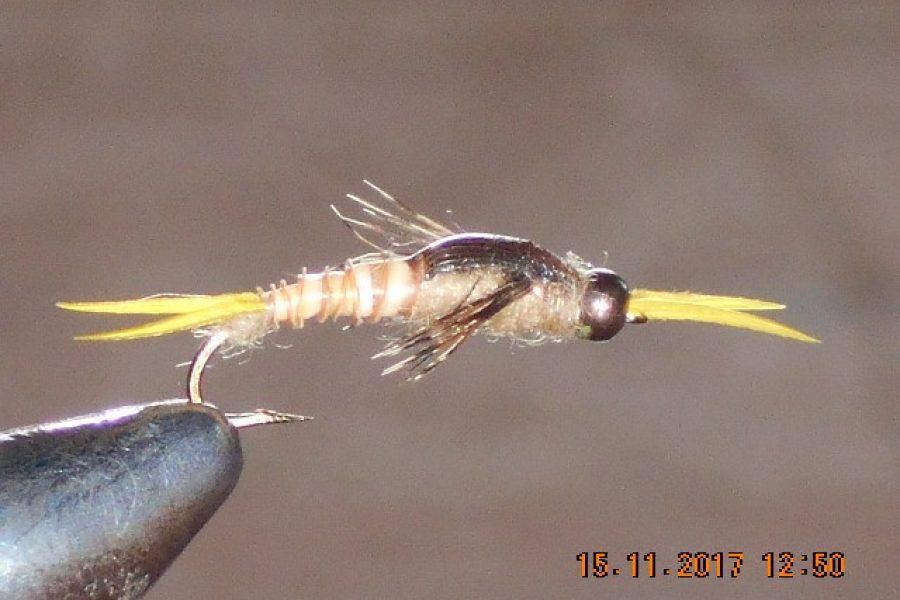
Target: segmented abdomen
<point x="365" y="291"/>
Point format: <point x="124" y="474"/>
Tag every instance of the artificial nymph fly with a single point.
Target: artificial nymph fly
<point x="444" y="285"/>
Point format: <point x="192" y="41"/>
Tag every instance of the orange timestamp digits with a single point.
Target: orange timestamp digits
<point x="690" y="565"/>
<point x="709" y="565"/>
<point x="785" y="565"/>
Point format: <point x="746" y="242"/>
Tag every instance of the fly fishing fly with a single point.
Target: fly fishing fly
<point x="444" y="285"/>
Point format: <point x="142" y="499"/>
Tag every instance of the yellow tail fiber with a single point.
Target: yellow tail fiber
<point x="720" y="310"/>
<point x="723" y="302"/>
<point x="186" y="313"/>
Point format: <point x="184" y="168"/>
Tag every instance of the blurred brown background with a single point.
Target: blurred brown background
<point x="743" y="148"/>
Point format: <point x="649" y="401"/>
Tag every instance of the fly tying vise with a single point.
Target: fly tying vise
<point x="444" y="285"/>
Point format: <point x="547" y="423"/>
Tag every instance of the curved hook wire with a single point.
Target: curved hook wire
<point x="260" y="416"/>
<point x="199" y="362"/>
